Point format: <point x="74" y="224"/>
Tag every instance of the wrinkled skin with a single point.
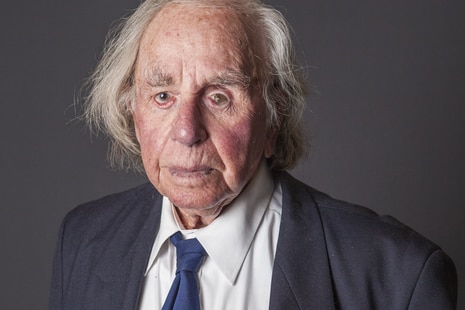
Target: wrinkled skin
<point x="201" y="130"/>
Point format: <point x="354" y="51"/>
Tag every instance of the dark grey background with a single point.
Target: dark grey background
<point x="387" y="118"/>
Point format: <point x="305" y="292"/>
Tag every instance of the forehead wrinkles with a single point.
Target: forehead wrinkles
<point x="187" y="26"/>
<point x="197" y="16"/>
<point x="155" y="76"/>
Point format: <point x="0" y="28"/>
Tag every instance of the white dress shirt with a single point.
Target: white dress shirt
<point x="240" y="245"/>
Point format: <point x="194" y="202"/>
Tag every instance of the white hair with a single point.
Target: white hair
<point x="107" y="107"/>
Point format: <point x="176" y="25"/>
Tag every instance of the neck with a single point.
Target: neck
<point x="194" y="220"/>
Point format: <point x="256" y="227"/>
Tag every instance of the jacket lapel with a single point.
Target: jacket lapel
<point x="301" y="273"/>
<point x="122" y="265"/>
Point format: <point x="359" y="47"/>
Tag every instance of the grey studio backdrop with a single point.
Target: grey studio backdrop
<point x="387" y="120"/>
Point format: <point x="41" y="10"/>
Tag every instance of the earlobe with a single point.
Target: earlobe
<point x="136" y="130"/>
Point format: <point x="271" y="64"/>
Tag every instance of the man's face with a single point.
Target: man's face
<point x="201" y="132"/>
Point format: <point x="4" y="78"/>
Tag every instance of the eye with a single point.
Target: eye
<point x="219" y="99"/>
<point x="163" y="98"/>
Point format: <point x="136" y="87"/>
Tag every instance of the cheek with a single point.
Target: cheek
<point x="149" y="139"/>
<point x="242" y="145"/>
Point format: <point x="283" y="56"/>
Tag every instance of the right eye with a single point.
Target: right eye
<point x="163" y="98"/>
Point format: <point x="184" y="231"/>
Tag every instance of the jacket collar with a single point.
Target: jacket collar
<point x="301" y="273"/>
<point x="124" y="259"/>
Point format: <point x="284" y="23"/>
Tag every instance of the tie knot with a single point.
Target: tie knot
<point x="189" y="253"/>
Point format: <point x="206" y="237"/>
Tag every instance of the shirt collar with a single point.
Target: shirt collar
<point x="228" y="238"/>
<point x="168" y="226"/>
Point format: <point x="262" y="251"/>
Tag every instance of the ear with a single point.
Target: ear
<point x="136" y="128"/>
<point x="131" y="109"/>
<point x="271" y="135"/>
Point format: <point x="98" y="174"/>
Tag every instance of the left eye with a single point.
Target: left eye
<point x="219" y="99"/>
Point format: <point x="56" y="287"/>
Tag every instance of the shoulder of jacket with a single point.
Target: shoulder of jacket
<point x="350" y="223"/>
<point x="109" y="208"/>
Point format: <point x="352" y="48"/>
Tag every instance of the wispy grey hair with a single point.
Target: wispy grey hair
<point x="110" y="89"/>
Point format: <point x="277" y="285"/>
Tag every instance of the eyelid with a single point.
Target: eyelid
<point x="219" y="89"/>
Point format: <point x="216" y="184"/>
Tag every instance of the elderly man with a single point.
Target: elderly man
<point x="205" y="97"/>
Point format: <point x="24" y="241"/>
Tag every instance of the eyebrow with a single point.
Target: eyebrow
<point x="155" y="77"/>
<point x="231" y="77"/>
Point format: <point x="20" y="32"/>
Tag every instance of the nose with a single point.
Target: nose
<point x="188" y="126"/>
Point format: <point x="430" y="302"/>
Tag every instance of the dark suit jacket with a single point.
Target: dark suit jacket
<point x="330" y="255"/>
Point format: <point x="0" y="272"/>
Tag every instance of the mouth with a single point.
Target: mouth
<point x="190" y="172"/>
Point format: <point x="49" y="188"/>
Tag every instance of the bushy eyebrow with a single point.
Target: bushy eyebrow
<point x="231" y="78"/>
<point x="155" y="77"/>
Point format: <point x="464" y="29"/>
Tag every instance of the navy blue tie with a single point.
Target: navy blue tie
<point x="184" y="293"/>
